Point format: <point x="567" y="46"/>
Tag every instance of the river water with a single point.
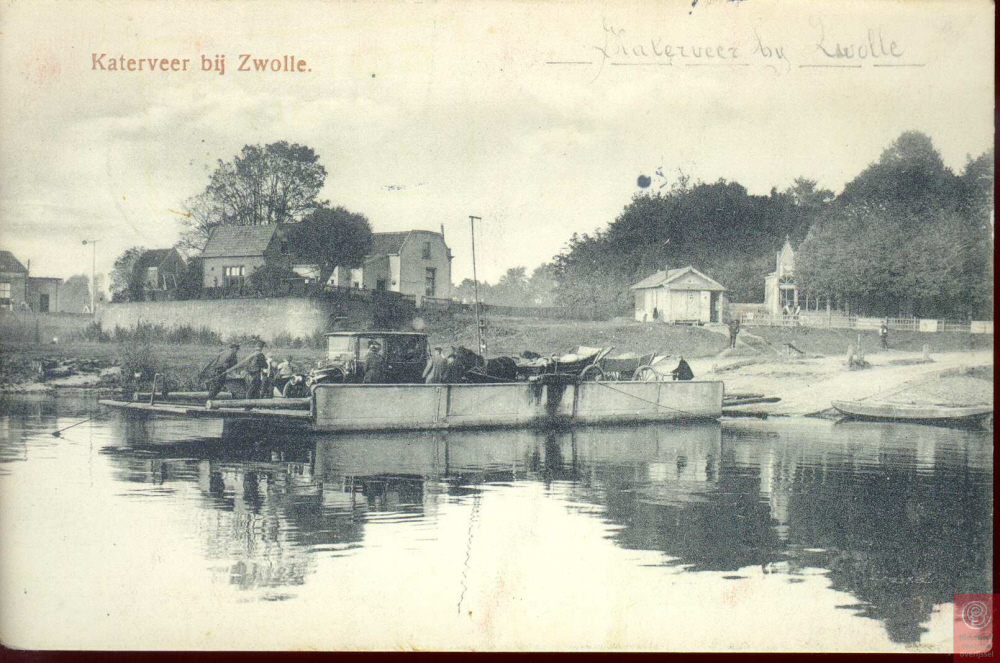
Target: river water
<point x="763" y="535"/>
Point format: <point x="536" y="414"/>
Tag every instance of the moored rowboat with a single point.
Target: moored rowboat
<point x="942" y="415"/>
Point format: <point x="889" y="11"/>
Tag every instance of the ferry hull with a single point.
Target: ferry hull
<point x="387" y="407"/>
<point x="436" y="407"/>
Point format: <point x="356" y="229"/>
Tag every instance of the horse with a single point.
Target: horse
<point x="467" y="366"/>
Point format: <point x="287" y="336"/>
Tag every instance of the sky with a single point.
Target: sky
<point x="536" y="116"/>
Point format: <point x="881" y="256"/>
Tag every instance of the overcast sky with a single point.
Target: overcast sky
<point x="425" y="113"/>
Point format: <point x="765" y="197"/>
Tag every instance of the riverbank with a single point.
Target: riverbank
<point x="808" y="385"/>
<point x="807" y="380"/>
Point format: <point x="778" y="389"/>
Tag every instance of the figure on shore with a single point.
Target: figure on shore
<point x="734" y="330"/>
<point x="224" y="362"/>
<point x="436" y="366"/>
<point x="883" y="336"/>
<point x="683" y="371"/>
<point x="374" y="364"/>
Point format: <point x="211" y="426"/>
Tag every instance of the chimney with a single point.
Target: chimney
<point x="442" y="231"/>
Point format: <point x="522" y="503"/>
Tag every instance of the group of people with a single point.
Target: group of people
<point x="262" y="374"/>
<point x="437" y="371"/>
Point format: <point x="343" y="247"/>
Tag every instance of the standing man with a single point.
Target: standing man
<point x="256" y="367"/>
<point x="374" y="364"/>
<point x="883" y="336"/>
<point x="734" y="330"/>
<point x="221" y="369"/>
<point x="436" y="367"/>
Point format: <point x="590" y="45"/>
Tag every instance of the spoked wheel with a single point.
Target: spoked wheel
<point x="646" y="373"/>
<point x="592" y="373"/>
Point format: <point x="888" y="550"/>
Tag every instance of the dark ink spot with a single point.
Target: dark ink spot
<point x="644" y="181"/>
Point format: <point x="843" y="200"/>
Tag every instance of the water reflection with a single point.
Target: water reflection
<point x="899" y="517"/>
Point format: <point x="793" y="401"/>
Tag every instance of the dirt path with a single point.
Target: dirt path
<point x="809" y="385"/>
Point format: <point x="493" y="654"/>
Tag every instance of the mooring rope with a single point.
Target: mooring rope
<point x="646" y="400"/>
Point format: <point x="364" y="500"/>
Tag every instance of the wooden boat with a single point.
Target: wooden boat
<point x="941" y="415"/>
<point x="550" y="400"/>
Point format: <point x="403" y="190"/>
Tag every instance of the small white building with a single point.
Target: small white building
<point x="682" y="295"/>
<point x="780" y="290"/>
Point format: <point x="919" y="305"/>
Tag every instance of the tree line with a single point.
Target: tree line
<point x="907" y="236"/>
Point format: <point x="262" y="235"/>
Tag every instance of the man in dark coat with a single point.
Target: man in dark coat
<point x="734" y="330"/>
<point x="224" y="363"/>
<point x="683" y="371"/>
<point x="256" y="367"/>
<point x="374" y="364"/>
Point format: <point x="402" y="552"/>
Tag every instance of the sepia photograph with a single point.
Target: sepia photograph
<point x="512" y="325"/>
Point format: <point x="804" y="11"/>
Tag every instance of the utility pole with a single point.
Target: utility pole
<point x="93" y="272"/>
<point x="475" y="281"/>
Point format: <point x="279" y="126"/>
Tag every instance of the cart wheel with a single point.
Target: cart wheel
<point x="592" y="373"/>
<point x="645" y="373"/>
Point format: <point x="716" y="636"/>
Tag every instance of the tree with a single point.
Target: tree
<point x="126" y="279"/>
<point x="542" y="285"/>
<point x="74" y="294"/>
<point x="270" y="184"/>
<point x="271" y="280"/>
<point x="512" y="289"/>
<point x="332" y="237"/>
<point x="906" y="236"/>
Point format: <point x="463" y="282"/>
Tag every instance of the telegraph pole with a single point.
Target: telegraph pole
<point x="475" y="281"/>
<point x="93" y="272"/>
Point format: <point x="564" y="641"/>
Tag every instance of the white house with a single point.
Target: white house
<point x="414" y="262"/>
<point x="682" y="295"/>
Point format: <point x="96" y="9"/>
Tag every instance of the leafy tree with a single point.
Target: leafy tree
<point x="274" y="183"/>
<point x="906" y="237"/>
<point x="512" y="289"/>
<point x="126" y="279"/>
<point x="332" y="237"/>
<point x="271" y="280"/>
<point x="192" y="281"/>
<point x="542" y="285"/>
<point x="74" y="294"/>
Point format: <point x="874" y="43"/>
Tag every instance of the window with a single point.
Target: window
<point x="234" y="276"/>
<point x="152" y="278"/>
<point x="5" y="297"/>
<point x="380" y="284"/>
<point x="429" y="281"/>
<point x="427" y="251"/>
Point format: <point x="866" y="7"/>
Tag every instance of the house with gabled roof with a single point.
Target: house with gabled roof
<point x="682" y="295"/>
<point x="161" y="269"/>
<point x="412" y="262"/>
<point x="232" y="253"/>
<point x="18" y="290"/>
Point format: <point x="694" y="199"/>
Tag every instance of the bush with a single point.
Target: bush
<point x="93" y="332"/>
<point x="136" y="357"/>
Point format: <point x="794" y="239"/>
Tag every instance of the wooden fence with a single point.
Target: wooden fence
<point x="832" y="320"/>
